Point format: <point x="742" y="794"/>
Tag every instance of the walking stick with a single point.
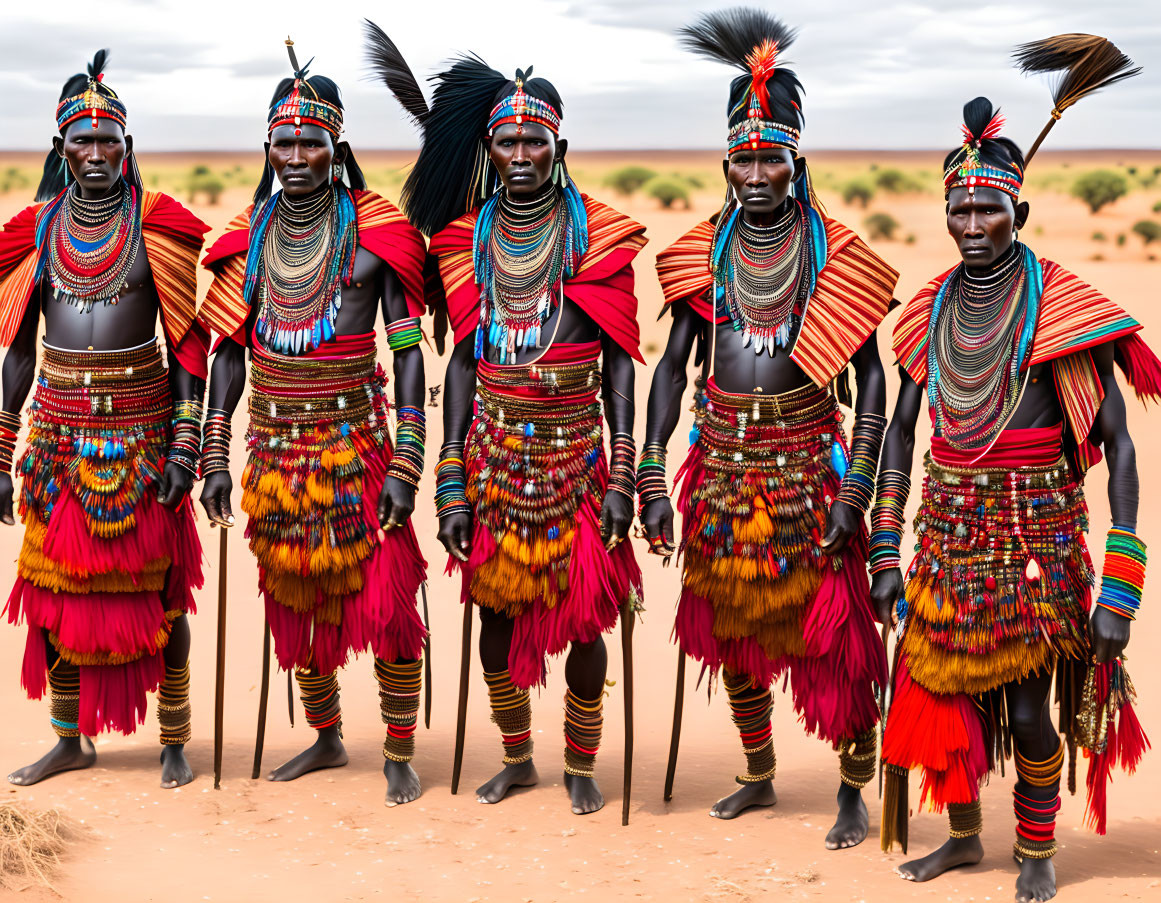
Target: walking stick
<point x="290" y="695"/>
<point x="220" y="680"/>
<point x="462" y="713"/>
<point x="263" y="698"/>
<point x="426" y="661"/>
<point x="675" y="736"/>
<point x="628" y="614"/>
<point x="883" y="710"/>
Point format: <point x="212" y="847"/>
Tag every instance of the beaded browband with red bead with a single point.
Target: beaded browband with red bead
<point x="297" y="108"/>
<point x="971" y="173"/>
<point x="521" y="107"/>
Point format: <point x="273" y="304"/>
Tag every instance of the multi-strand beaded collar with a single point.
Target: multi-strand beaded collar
<point x="302" y="252"/>
<point x="89" y="246"/>
<point x="764" y="275"/>
<point x="523" y="252"/>
<point x="982" y="328"/>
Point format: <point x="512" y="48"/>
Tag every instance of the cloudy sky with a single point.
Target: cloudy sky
<point x="887" y="74"/>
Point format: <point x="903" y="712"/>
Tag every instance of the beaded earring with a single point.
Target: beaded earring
<point x="337" y="171"/>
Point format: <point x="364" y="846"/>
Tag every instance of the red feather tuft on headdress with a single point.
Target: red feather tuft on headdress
<point x="990" y="131"/>
<point x="761" y="61"/>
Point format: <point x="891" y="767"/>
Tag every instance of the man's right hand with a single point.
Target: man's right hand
<point x="6" y="499"/>
<point x="455" y="532"/>
<point x="215" y="498"/>
<point x="657" y="521"/>
<point x="886" y="588"/>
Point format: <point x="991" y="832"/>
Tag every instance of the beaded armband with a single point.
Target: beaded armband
<point x="622" y="475"/>
<point x="9" y="427"/>
<point x="651" y="474"/>
<point x="858" y="484"/>
<point x="215" y="441"/>
<point x="887" y="520"/>
<point x="1123" y="576"/>
<point x="403" y="334"/>
<point x="410" y="433"/>
<point x="451" y="478"/>
<point x="185" y="449"/>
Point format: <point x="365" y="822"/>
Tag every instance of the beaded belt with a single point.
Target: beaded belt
<point x="301" y="390"/>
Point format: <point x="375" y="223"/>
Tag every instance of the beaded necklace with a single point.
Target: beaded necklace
<point x="307" y="253"/>
<point x="764" y="279"/>
<point x="979" y="339"/>
<point x="92" y="245"/>
<point x="523" y="265"/>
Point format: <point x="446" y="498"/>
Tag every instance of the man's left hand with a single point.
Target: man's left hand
<point x="396" y="502"/>
<point x="1110" y="634"/>
<point x="176" y="483"/>
<point x="616" y="518"/>
<point x="843" y="522"/>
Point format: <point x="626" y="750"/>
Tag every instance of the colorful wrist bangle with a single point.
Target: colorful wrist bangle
<point x="887" y="520"/>
<point x="1123" y="575"/>
<point x="451" y="482"/>
<point x="216" y="433"/>
<point x="622" y="476"/>
<point x="185" y="447"/>
<point x="403" y="334"/>
<point x="858" y="483"/>
<point x="651" y="483"/>
<point x="410" y="435"/>
<point x="9" y="429"/>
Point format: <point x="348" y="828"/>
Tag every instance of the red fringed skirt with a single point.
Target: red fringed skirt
<point x="999" y="590"/>
<point x="104" y="568"/>
<point x="333" y="584"/>
<point x="759" y="597"/>
<point x="537" y="476"/>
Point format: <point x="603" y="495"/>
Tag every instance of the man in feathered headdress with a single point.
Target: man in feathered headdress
<point x="299" y="278"/>
<point x="1016" y="358"/>
<point x="782" y="298"/>
<point x="110" y="556"/>
<point x="537" y="280"/>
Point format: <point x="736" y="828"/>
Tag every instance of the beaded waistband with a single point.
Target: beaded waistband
<point x="129" y="383"/>
<point x="1053" y="476"/>
<point x="807" y="406"/>
<point x="303" y="389"/>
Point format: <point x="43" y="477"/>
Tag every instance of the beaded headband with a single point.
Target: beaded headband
<point x="297" y="108"/>
<point x="971" y="173"/>
<point x="521" y="107"/>
<point x="92" y="104"/>
<point x="757" y="130"/>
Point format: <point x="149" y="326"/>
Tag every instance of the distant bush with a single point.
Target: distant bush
<point x="693" y="181"/>
<point x="1099" y="188"/>
<point x="667" y="190"/>
<point x="13" y="179"/>
<point x="858" y="191"/>
<point x="1157" y="207"/>
<point x="881" y="226"/>
<point x="1099" y="236"/>
<point x="629" y="179"/>
<point x="894" y="181"/>
<point x="202" y="181"/>
<point x="1121" y="239"/>
<point x="1148" y="230"/>
<point x="910" y="239"/>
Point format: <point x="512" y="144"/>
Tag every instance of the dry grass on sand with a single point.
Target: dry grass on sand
<point x="32" y="842"/>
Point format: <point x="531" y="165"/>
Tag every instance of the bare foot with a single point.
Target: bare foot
<point x="522" y="775"/>
<point x="584" y="793"/>
<point x="69" y="754"/>
<point x="850" y="828"/>
<point x="760" y="793"/>
<point x="175" y="768"/>
<point x="1037" y="880"/>
<point x="328" y="752"/>
<point x="402" y="783"/>
<point x="955" y="852"/>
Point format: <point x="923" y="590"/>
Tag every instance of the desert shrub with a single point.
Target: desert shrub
<point x="1037" y="230"/>
<point x="881" y="226"/>
<point x="858" y="191"/>
<point x="202" y="181"/>
<point x="1121" y="239"/>
<point x="910" y="239"/>
<point x="894" y="181"/>
<point x="1157" y="207"/>
<point x="13" y="179"/>
<point x="1099" y="188"/>
<point x="693" y="181"/>
<point x="628" y="179"/>
<point x="1148" y="230"/>
<point x="667" y="190"/>
<point x="1099" y="236"/>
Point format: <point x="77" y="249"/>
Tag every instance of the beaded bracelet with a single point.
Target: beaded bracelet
<point x="215" y="441"/>
<point x="887" y="520"/>
<point x="9" y="427"/>
<point x="622" y="476"/>
<point x="451" y="479"/>
<point x="410" y="433"/>
<point x="403" y="334"/>
<point x="651" y="474"/>
<point x="1123" y="576"/>
<point x="858" y="484"/>
<point x="185" y="447"/>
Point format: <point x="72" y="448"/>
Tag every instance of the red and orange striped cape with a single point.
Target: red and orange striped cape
<point x="172" y="237"/>
<point x="1074" y="318"/>
<point x="852" y="296"/>
<point x="382" y="229"/>
<point x="602" y="286"/>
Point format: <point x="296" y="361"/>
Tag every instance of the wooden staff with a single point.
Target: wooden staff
<point x="263" y="699"/>
<point x="628" y="616"/>
<point x="426" y="661"/>
<point x="883" y="708"/>
<point x="220" y="679"/>
<point x="462" y="712"/>
<point x="675" y="736"/>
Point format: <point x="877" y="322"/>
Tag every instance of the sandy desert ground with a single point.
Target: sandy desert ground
<point x="329" y="837"/>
